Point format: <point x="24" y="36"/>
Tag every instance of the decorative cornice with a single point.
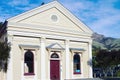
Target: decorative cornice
<point x="45" y="28"/>
<point x="77" y="50"/>
<point x="23" y="46"/>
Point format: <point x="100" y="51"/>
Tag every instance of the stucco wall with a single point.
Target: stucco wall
<point x="2" y="75"/>
<point x="18" y="57"/>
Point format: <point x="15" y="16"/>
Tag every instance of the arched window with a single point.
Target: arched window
<point x="54" y="55"/>
<point x="76" y="63"/>
<point x="28" y="63"/>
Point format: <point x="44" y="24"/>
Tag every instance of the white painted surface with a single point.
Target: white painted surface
<point x="43" y="59"/>
<point x="67" y="56"/>
<point x="10" y="62"/>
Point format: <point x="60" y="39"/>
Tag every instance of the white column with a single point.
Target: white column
<point x="67" y="62"/>
<point x="90" y="58"/>
<point x="22" y="64"/>
<point x="43" y="60"/>
<point x="10" y="62"/>
<point x="36" y="68"/>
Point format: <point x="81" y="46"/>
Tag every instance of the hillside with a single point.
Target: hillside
<point x="102" y="42"/>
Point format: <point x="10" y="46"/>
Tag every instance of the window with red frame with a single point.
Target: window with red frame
<point x="29" y="63"/>
<point x="76" y="64"/>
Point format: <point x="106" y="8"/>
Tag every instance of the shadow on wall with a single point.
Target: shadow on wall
<point x="89" y="62"/>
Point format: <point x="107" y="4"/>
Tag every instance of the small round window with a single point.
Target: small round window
<point x="54" y="18"/>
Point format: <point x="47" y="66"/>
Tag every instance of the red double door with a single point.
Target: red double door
<point x="54" y="70"/>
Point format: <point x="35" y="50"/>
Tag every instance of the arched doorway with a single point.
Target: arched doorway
<point x="54" y="67"/>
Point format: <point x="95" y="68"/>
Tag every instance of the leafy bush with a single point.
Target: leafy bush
<point x="4" y="56"/>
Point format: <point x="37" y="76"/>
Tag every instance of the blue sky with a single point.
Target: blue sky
<point x="102" y="16"/>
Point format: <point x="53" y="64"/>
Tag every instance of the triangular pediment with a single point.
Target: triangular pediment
<point x="52" y="15"/>
<point x="55" y="46"/>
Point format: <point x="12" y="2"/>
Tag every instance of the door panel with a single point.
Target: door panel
<point x="54" y="70"/>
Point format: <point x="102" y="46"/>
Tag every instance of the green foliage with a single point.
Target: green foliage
<point x="118" y="73"/>
<point x="104" y="58"/>
<point x="97" y="45"/>
<point x="106" y="53"/>
<point x="4" y="55"/>
<point x="1" y="24"/>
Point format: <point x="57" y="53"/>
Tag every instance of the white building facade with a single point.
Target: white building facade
<point x="48" y="43"/>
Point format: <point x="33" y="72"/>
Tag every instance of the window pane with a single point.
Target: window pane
<point x="54" y="55"/>
<point x="76" y="64"/>
<point x="29" y="62"/>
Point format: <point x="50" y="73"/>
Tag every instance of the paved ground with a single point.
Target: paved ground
<point x="96" y="79"/>
<point x="87" y="79"/>
<point x="111" y="79"/>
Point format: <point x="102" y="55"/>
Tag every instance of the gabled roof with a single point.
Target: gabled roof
<point x="45" y="7"/>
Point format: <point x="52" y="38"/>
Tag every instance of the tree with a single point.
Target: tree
<point x="106" y="60"/>
<point x="1" y="24"/>
<point x="4" y="56"/>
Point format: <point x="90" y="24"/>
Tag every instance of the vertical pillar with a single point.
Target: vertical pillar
<point x="90" y="58"/>
<point x="1" y="75"/>
<point x="43" y="60"/>
<point x="10" y="62"/>
<point x="35" y="61"/>
<point x="67" y="62"/>
<point x="22" y="64"/>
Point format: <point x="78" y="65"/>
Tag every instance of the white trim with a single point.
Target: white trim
<point x="46" y="28"/>
<point x="22" y="64"/>
<point x="24" y="48"/>
<point x="67" y="60"/>
<point x="90" y="58"/>
<point x="51" y="47"/>
<point x="81" y="63"/>
<point x="35" y="65"/>
<point x="10" y="62"/>
<point x="43" y="58"/>
<point x="77" y="49"/>
<point x="60" y="59"/>
<point x="54" y="36"/>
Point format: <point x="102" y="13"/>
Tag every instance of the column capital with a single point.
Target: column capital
<point x="10" y="39"/>
<point x="42" y="39"/>
<point x="67" y="41"/>
<point x="90" y="42"/>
